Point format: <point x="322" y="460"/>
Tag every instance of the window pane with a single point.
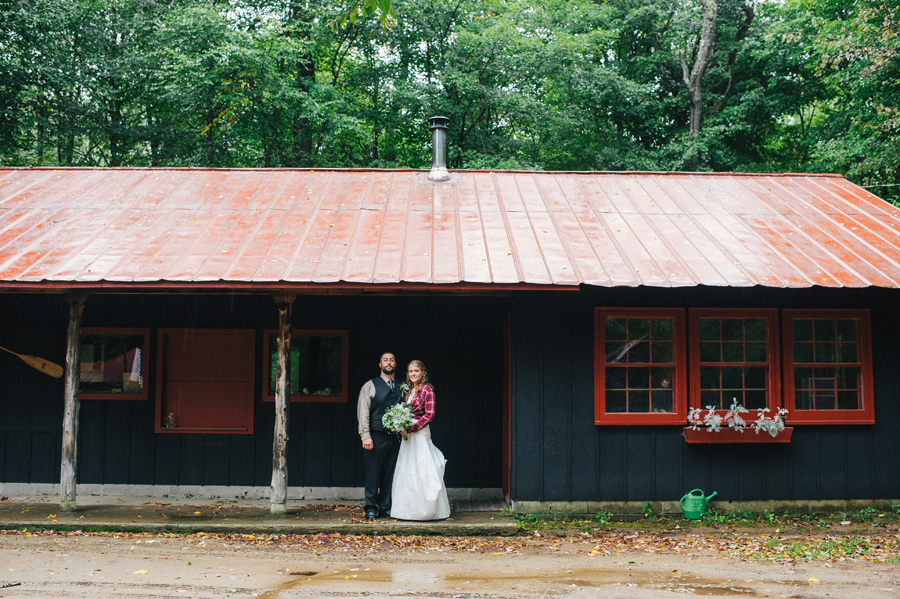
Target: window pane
<point x="848" y="400"/>
<point x="639" y="401"/>
<point x="615" y="378"/>
<point x="663" y="352"/>
<point x="711" y="398"/>
<point x="616" y="329"/>
<point x="803" y="378"/>
<point x="846" y="378"/>
<point x="756" y="352"/>
<point x="733" y="378"/>
<point x="662" y="329"/>
<point x="846" y="352"/>
<point x="803" y="400"/>
<point x="616" y="401"/>
<point x="825" y="353"/>
<point x="824" y="378"/>
<point x="754" y="399"/>
<point x="638" y="378"/>
<point x="732" y="352"/>
<point x="823" y="330"/>
<point x="732" y="329"/>
<point x="803" y="352"/>
<point x="662" y="401"/>
<point x="710" y="352"/>
<point x="709" y="329"/>
<point x="709" y="378"/>
<point x="617" y="352"/>
<point x="112" y="364"/>
<point x="640" y="353"/>
<point x="638" y="328"/>
<point x="755" y="329"/>
<point x="755" y="377"/>
<point x="824" y="400"/>
<point x="846" y="330"/>
<point x="661" y="378"/>
<point x="802" y="330"/>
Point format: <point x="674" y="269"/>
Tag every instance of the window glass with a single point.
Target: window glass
<point x="640" y="359"/>
<point x="734" y="359"/>
<point x="316" y="365"/>
<point x="112" y="363"/>
<point x="825" y="352"/>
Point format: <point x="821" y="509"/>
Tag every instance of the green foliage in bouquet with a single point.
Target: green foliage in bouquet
<point x="398" y="417"/>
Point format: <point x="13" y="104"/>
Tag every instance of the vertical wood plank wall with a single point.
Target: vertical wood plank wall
<point x="459" y="339"/>
<point x="559" y="454"/>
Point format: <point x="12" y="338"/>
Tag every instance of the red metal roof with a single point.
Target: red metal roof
<point x="244" y="228"/>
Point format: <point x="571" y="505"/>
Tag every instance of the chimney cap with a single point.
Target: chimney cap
<point x="438" y="122"/>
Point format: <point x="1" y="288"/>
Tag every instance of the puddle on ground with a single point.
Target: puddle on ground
<point x="582" y="577"/>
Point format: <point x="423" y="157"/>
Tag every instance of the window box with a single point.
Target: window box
<point x="114" y="363"/>
<point x="728" y="435"/>
<point x="319" y="365"/>
<point x="828" y="367"/>
<point x="735" y="358"/>
<point x="639" y="366"/>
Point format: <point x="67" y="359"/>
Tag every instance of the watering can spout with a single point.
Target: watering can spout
<point x="714" y="493"/>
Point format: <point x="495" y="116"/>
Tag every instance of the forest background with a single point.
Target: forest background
<point x="723" y="85"/>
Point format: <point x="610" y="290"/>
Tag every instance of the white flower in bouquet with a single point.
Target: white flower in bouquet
<point x="398" y="418"/>
<point x="404" y="388"/>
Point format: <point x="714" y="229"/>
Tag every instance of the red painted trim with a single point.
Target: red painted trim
<point x="507" y="406"/>
<point x="145" y="363"/>
<point x="773" y="397"/>
<point x="679" y="387"/>
<point x="249" y="286"/>
<point x="728" y="435"/>
<point x="268" y="395"/>
<point x="865" y="415"/>
<point x="249" y="336"/>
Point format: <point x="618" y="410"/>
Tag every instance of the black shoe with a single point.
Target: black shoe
<point x="370" y="515"/>
<point x="384" y="513"/>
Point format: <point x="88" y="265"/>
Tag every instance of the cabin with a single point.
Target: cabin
<point x="214" y="327"/>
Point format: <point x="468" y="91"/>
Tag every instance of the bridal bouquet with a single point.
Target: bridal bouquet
<point x="398" y="418"/>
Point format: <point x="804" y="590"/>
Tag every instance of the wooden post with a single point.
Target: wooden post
<point x="282" y="405"/>
<point x="72" y="406"/>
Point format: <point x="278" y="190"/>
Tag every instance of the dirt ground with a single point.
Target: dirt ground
<point x="614" y="564"/>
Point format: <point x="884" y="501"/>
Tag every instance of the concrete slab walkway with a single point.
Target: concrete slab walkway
<point x="154" y="514"/>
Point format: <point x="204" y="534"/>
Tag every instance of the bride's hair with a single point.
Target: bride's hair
<point x="418" y="364"/>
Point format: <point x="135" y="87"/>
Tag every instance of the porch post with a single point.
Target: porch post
<point x="282" y="405"/>
<point x="72" y="406"/>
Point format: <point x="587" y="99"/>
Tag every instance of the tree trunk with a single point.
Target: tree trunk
<point x="693" y="76"/>
<point x="71" y="406"/>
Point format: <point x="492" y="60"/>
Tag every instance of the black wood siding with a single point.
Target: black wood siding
<point x="559" y="454"/>
<point x="458" y="338"/>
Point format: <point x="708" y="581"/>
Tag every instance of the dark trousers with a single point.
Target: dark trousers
<point x="380" y="462"/>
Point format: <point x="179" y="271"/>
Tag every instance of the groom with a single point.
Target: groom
<point x="380" y="446"/>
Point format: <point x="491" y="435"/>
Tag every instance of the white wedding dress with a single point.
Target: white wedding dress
<point x="418" y="491"/>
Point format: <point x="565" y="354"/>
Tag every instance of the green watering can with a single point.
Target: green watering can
<point x="694" y="504"/>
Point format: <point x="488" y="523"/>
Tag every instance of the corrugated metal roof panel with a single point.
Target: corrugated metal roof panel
<point x="84" y="227"/>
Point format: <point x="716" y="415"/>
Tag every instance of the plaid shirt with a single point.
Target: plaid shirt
<point x="423" y="408"/>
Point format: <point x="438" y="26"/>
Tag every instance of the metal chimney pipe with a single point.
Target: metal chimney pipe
<point x="438" y="149"/>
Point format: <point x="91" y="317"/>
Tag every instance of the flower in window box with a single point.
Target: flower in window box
<point x="713" y="421"/>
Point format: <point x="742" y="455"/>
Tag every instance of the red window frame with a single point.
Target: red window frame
<point x="772" y="364"/>
<point x="145" y="363"/>
<point x="211" y="382"/>
<point x="268" y="393"/>
<point x="679" y="384"/>
<point x="863" y="364"/>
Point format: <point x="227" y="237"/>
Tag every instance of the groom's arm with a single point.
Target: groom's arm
<point x="362" y="413"/>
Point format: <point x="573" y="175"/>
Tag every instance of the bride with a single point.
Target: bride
<point x="418" y="491"/>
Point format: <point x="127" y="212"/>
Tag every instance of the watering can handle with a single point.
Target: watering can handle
<point x="681" y="503"/>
